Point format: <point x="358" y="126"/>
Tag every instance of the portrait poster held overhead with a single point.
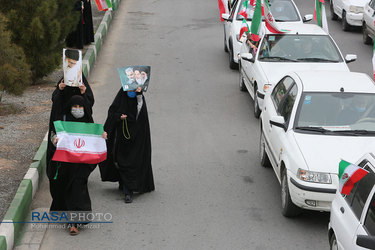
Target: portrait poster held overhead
<point x="72" y="66"/>
<point x="132" y="77"/>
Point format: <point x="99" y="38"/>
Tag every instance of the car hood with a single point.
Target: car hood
<point x="360" y="3"/>
<point x="322" y="153"/>
<point x="274" y="71"/>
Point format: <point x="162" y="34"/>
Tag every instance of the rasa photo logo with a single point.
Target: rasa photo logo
<point x="70" y="217"/>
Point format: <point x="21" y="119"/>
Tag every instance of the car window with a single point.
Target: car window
<point x="280" y="90"/>
<point x="233" y="9"/>
<point x="370" y="217"/>
<point x="299" y="48"/>
<point x="372" y="4"/>
<point x="287" y="104"/>
<point x="369" y="167"/>
<point x="365" y="186"/>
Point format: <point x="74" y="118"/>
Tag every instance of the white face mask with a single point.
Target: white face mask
<point x="77" y="113"/>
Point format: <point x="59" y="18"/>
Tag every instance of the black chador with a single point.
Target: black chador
<point x="128" y="144"/>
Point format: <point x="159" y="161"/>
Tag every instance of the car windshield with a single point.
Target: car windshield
<point x="350" y="113"/>
<point x="282" y="11"/>
<point x="299" y="48"/>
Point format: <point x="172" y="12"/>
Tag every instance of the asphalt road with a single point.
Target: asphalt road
<point x="211" y="192"/>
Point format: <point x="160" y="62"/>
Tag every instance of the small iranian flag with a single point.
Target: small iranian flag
<point x="223" y="8"/>
<point x="373" y="59"/>
<point x="80" y="142"/>
<point x="320" y="15"/>
<point x="245" y="11"/>
<point x="103" y="5"/>
<point x="244" y="28"/>
<point x="270" y="20"/>
<point x="349" y="174"/>
<point x="256" y="21"/>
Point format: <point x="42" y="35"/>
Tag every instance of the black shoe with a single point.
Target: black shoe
<point x="128" y="198"/>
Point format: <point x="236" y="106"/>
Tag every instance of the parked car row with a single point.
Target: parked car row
<point x="313" y="112"/>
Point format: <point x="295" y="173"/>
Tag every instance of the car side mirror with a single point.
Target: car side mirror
<point x="366" y="241"/>
<point x="225" y="16"/>
<point x="350" y="58"/>
<point x="247" y="57"/>
<point x="278" y="121"/>
<point x="307" y="18"/>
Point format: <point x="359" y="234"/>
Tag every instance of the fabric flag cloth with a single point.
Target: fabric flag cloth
<point x="373" y="59"/>
<point x="320" y="15"/>
<point x="256" y="21"/>
<point x="245" y="11"/>
<point x="244" y="28"/>
<point x="349" y="174"/>
<point x="80" y="142"/>
<point x="103" y="5"/>
<point x="270" y="20"/>
<point x="223" y="8"/>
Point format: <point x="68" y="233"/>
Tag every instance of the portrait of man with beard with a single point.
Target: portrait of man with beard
<point x="72" y="66"/>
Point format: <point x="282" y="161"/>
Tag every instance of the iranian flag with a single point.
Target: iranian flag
<point x="349" y="174"/>
<point x="103" y="5"/>
<point x="245" y="11"/>
<point x="373" y="59"/>
<point x="320" y="15"/>
<point x="80" y="142"/>
<point x="256" y="21"/>
<point x="270" y="20"/>
<point x="244" y="28"/>
<point x="223" y="8"/>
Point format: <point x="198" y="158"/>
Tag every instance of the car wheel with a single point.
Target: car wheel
<point x="256" y="104"/>
<point x="333" y="243"/>
<point x="365" y="36"/>
<point x="344" y="23"/>
<point x="288" y="208"/>
<point x="333" y="15"/>
<point x="232" y="63"/>
<point x="242" y="84"/>
<point x="225" y="42"/>
<point x="264" y="160"/>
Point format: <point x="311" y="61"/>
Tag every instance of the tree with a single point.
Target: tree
<point x="40" y="28"/>
<point x="14" y="71"/>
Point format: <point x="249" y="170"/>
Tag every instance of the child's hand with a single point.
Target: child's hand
<point x="104" y="135"/>
<point x="56" y="140"/>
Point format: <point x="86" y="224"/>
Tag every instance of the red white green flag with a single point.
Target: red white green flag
<point x="103" y="5"/>
<point x="270" y="20"/>
<point x="373" y="59"/>
<point x="320" y="15"/>
<point x="256" y="21"/>
<point x="244" y="28"/>
<point x="80" y="142"/>
<point x="349" y="174"/>
<point x="245" y="10"/>
<point x="223" y="7"/>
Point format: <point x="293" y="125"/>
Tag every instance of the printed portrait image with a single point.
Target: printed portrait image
<point x="132" y="77"/>
<point x="72" y="66"/>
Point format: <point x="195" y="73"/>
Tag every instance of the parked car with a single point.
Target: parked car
<point x="368" y="22"/>
<point x="283" y="11"/>
<point x="350" y="12"/>
<point x="306" y="46"/>
<point x="312" y="119"/>
<point x="352" y="222"/>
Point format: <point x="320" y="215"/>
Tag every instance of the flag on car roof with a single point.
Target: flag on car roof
<point x="223" y="8"/>
<point x="245" y="10"/>
<point x="349" y="174"/>
<point x="79" y="142"/>
<point x="256" y="21"/>
<point x="244" y="28"/>
<point x="270" y="20"/>
<point x="320" y="15"/>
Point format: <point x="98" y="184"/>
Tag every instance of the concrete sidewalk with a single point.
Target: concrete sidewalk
<point x="12" y="230"/>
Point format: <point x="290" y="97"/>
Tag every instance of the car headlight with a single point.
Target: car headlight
<point x="266" y="87"/>
<point x="356" y="9"/>
<point x="311" y="176"/>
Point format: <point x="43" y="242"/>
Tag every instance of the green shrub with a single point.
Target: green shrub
<point x="14" y="71"/>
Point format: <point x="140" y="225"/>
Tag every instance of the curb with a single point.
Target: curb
<point x="11" y="227"/>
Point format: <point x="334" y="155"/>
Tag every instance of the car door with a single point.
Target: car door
<point x="339" y="6"/>
<point x="369" y="17"/>
<point x="351" y="208"/>
<point x="228" y="24"/>
<point x="280" y="103"/>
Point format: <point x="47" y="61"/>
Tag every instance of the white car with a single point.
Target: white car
<point x="350" y="12"/>
<point x="311" y="120"/>
<point x="352" y="222"/>
<point x="284" y="11"/>
<point x="305" y="47"/>
<point x="368" y="22"/>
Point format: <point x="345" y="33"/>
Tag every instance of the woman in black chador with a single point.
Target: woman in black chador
<point x="68" y="184"/>
<point x="129" y="143"/>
